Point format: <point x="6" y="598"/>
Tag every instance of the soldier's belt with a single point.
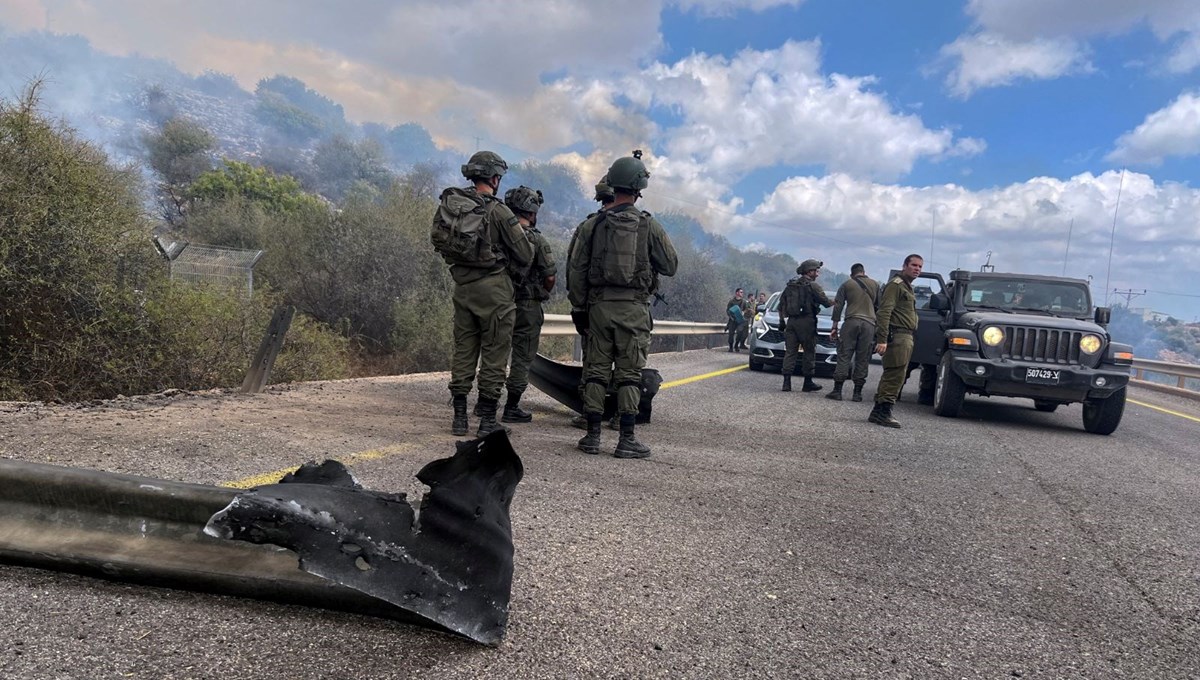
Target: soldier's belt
<point x="900" y="331"/>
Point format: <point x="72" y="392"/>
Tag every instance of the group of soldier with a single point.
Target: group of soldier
<point x="503" y="269"/>
<point x="739" y="313"/>
<point x="880" y="321"/>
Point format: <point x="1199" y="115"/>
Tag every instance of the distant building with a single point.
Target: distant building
<point x="1149" y="315"/>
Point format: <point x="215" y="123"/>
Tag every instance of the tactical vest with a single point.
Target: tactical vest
<point x="621" y="252"/>
<point x="462" y="232"/>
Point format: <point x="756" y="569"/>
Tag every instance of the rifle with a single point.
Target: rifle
<point x="659" y="297"/>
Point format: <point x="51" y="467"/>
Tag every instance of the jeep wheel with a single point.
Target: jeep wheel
<point x="1045" y="406"/>
<point x="1102" y="416"/>
<point x="950" y="390"/>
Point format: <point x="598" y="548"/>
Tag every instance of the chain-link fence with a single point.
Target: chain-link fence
<point x="211" y="265"/>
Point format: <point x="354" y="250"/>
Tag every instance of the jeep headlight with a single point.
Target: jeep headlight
<point x="993" y="336"/>
<point x="1090" y="343"/>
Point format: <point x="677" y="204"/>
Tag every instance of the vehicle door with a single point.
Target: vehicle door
<point x="927" y="342"/>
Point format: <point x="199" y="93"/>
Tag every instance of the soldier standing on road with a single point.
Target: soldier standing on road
<point x="857" y="339"/>
<point x="734" y="318"/>
<point x="533" y="286"/>
<point x="480" y="239"/>
<point x="896" y="322"/>
<point x="798" y="306"/>
<point x="614" y="268"/>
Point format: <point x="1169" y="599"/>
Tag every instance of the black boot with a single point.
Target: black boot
<point x="487" y="418"/>
<point x="836" y="393"/>
<point x="579" y="421"/>
<point x="458" y="426"/>
<point x="810" y="386"/>
<point x="857" y="396"/>
<point x="882" y="415"/>
<point x="925" y="397"/>
<point x="787" y="383"/>
<point x="590" y="443"/>
<point x="514" y="413"/>
<point x="628" y="446"/>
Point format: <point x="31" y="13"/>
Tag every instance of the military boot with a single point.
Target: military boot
<point x="579" y="421"/>
<point x="836" y="393"/>
<point x="487" y="418"/>
<point x="882" y="415"/>
<point x="925" y="397"/>
<point x="590" y="443"/>
<point x="458" y="426"/>
<point x="857" y="396"/>
<point x="787" y="383"/>
<point x="810" y="386"/>
<point x="628" y="446"/>
<point x="513" y="413"/>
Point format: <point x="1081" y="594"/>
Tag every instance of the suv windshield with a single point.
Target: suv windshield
<point x="1062" y="298"/>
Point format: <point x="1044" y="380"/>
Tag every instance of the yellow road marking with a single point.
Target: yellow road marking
<point x="696" y="378"/>
<point x="273" y="477"/>
<point x="1164" y="410"/>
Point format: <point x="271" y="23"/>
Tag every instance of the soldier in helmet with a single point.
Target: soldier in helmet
<point x="533" y="286"/>
<point x="604" y="194"/>
<point x="481" y="239"/>
<point x="615" y="263"/>
<point x="798" y="306"/>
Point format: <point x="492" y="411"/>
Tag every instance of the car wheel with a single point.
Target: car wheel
<point x="755" y="365"/>
<point x="1102" y="416"/>
<point x="1045" y="406"/>
<point x="950" y="390"/>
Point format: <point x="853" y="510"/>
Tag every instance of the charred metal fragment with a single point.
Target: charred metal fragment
<point x="561" y="381"/>
<point x="451" y="564"/>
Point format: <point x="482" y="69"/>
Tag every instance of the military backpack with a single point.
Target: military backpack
<point x="796" y="296"/>
<point x="460" y="233"/>
<point x="621" y="250"/>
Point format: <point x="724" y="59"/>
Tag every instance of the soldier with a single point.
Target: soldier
<point x="799" y="304"/>
<point x="896" y="321"/>
<point x="614" y="268"/>
<point x="480" y="239"/>
<point x="734" y="318"/>
<point x="533" y="286"/>
<point x="857" y="296"/>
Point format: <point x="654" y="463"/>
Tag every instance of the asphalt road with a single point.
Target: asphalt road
<point x="770" y="535"/>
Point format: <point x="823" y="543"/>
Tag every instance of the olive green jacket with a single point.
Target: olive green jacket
<point x="662" y="257"/>
<point x="529" y="285"/>
<point x="897" y="309"/>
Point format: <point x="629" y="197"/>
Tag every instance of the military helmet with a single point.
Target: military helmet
<point x="603" y="191"/>
<point x="629" y="173"/>
<point x="484" y="165"/>
<point x="809" y="265"/>
<point x="523" y="199"/>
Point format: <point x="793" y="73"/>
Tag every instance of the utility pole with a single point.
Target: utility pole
<point x="1113" y="238"/>
<point x="478" y="139"/>
<point x="1129" y="294"/>
<point x="1067" y="254"/>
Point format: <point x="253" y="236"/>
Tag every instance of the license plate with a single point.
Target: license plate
<point x="1041" y="376"/>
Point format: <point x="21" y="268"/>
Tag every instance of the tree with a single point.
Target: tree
<point x="178" y="153"/>
<point x="275" y="193"/>
<point x="341" y="163"/>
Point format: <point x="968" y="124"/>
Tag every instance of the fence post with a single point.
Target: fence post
<point x="268" y="350"/>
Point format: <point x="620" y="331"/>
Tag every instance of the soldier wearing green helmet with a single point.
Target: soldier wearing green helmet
<point x="798" y="306"/>
<point x="533" y="286"/>
<point x="615" y="261"/>
<point x="604" y="194"/>
<point x="482" y="241"/>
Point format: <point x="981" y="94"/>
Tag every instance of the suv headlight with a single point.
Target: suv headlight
<point x="1090" y="343"/>
<point x="993" y="336"/>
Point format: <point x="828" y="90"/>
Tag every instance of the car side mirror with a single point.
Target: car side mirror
<point x="940" y="302"/>
<point x="1103" y="316"/>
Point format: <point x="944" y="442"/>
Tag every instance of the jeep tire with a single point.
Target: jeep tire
<point x="1045" y="406"/>
<point x="1102" y="416"/>
<point x="950" y="390"/>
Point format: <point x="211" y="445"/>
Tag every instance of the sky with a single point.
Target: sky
<point x="1058" y="136"/>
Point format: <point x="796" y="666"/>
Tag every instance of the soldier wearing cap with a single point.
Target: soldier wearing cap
<point x="533" y="286"/>
<point x="798" y="306"/>
<point x="484" y="307"/>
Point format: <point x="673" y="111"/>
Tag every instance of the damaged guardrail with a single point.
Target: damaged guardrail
<point x="317" y="538"/>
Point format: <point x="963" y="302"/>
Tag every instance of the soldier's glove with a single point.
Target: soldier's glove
<point x="579" y="317"/>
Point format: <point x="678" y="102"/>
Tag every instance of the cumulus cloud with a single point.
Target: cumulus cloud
<point x="722" y="7"/>
<point x="989" y="60"/>
<point x="1016" y="40"/>
<point x="1170" y="131"/>
<point x="1025" y="225"/>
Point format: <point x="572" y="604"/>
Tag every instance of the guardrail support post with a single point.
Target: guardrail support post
<point x="577" y="348"/>
<point x="680" y="346"/>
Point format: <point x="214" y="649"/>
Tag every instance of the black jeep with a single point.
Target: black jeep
<point x="1021" y="335"/>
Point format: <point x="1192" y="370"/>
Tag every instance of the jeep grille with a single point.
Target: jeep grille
<point x="1046" y="345"/>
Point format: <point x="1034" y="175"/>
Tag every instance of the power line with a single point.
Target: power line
<point x="1163" y="292"/>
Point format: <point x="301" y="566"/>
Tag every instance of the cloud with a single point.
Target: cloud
<point x="989" y="60"/>
<point x="1014" y="40"/>
<point x="22" y="15"/>
<point x="1170" y="131"/>
<point x="724" y="7"/>
<point x="1025" y="225"/>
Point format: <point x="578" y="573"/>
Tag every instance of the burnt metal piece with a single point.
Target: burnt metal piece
<point x="153" y="531"/>
<point x="452" y="563"/>
<point x="561" y="381"/>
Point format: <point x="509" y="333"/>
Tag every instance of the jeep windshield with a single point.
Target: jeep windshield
<point x="1057" y="298"/>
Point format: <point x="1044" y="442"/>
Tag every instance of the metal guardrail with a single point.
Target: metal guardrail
<point x="1181" y="372"/>
<point x="561" y="324"/>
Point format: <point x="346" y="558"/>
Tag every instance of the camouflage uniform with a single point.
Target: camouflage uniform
<point x="530" y="293"/>
<point x="800" y="330"/>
